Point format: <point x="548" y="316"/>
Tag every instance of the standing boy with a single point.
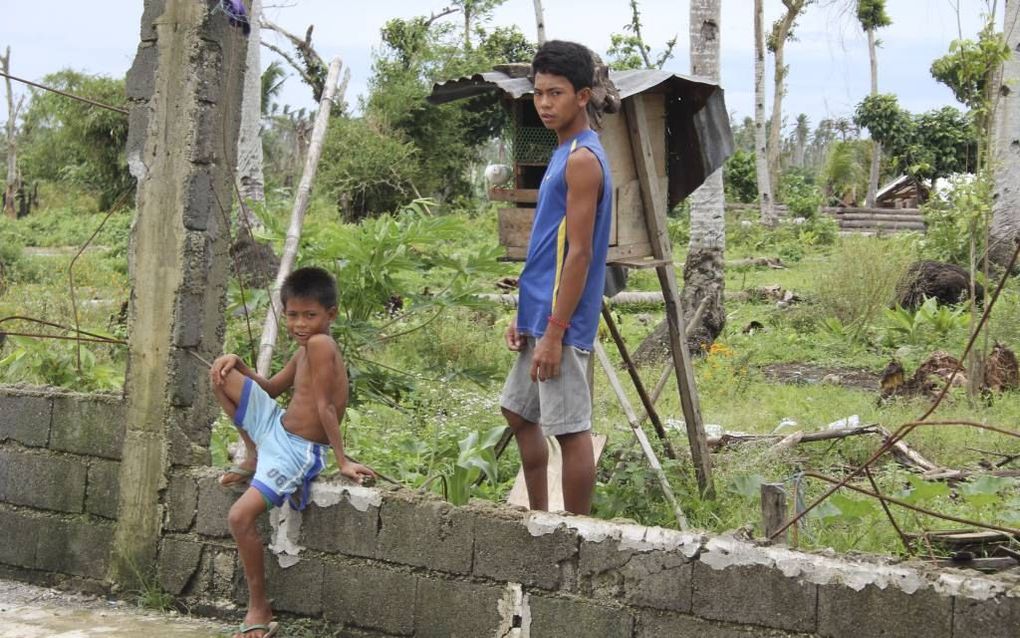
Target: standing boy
<point x="292" y="442"/>
<point x="561" y="285"/>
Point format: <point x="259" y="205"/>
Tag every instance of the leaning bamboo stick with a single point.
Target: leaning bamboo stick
<point x="635" y="426"/>
<point x="297" y="218"/>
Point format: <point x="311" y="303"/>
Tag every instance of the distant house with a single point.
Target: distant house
<point x="903" y="192"/>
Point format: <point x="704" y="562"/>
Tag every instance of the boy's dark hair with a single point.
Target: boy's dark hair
<point x="568" y="59"/>
<point x="310" y="283"/>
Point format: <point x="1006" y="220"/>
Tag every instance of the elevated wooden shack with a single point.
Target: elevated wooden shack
<point x="686" y="124"/>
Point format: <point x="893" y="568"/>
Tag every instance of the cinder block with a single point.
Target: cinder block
<point x="140" y="81"/>
<point x="25" y="419"/>
<point x="298" y="588"/>
<point x="19" y="532"/>
<point x="573" y="617"/>
<point x="506" y="551"/>
<point x="138" y="123"/>
<point x="153" y="9"/>
<point x="994" y="618"/>
<point x="200" y="201"/>
<point x="656" y="579"/>
<point x="183" y="379"/>
<point x="103" y="490"/>
<point x="214" y="502"/>
<point x="178" y="561"/>
<point x="341" y="528"/>
<point x="206" y="131"/>
<point x="754" y="594"/>
<point x="209" y="64"/>
<point x="368" y="596"/>
<point x="181" y="502"/>
<point x="653" y="624"/>
<point x="75" y="547"/>
<point x="456" y="609"/>
<point x="90" y="425"/>
<point x="888" y="612"/>
<point x="42" y="480"/>
<point x="426" y="533"/>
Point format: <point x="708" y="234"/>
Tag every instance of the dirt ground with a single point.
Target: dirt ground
<point x="27" y="611"/>
<point x="808" y="373"/>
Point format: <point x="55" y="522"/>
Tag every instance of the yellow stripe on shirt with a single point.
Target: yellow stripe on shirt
<point x="561" y="247"/>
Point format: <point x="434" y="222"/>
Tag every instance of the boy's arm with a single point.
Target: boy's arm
<point x="584" y="182"/>
<point x="321" y="352"/>
<point x="273" y="387"/>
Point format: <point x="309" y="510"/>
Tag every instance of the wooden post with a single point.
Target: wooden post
<point x="646" y="401"/>
<point x="655" y="218"/>
<point x="773" y="509"/>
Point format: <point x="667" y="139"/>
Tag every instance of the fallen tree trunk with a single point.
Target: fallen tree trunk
<point x="903" y="453"/>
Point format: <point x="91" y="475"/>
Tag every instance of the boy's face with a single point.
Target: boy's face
<point x="556" y="100"/>
<point x="307" y="317"/>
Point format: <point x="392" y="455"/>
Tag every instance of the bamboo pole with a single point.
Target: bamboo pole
<point x="635" y="426"/>
<point x="297" y="218"/>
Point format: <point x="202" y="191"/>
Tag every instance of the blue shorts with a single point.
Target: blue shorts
<point x="286" y="462"/>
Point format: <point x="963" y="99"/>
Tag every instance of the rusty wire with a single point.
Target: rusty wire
<point x="86" y="100"/>
<point x="909" y="427"/>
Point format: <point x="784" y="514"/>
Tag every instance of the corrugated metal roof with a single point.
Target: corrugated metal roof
<point x="627" y="83"/>
<point x="698" y="124"/>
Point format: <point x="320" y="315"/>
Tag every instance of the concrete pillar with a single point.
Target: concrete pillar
<point x="184" y="87"/>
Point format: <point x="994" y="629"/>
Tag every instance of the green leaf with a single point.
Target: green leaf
<point x="746" y="485"/>
<point x="854" y="508"/>
<point x="921" y="490"/>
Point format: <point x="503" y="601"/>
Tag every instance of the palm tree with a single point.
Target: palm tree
<point x="249" y="138"/>
<point x="800" y="139"/>
<point x="782" y="31"/>
<point x="768" y="213"/>
<point x="872" y="15"/>
<point x="703" y="269"/>
<point x="1005" y="228"/>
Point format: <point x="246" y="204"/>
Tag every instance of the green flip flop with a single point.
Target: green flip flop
<point x="244" y="474"/>
<point x="270" y="629"/>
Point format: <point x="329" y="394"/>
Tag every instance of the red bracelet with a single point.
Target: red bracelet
<point x="559" y="324"/>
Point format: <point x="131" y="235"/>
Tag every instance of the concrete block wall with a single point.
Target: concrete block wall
<point x="59" y="461"/>
<point x="393" y="563"/>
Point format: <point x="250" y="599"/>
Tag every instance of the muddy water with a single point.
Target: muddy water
<point x="27" y="611"/>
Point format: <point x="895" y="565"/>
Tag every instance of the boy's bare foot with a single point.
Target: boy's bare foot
<point x="258" y="623"/>
<point x="239" y="474"/>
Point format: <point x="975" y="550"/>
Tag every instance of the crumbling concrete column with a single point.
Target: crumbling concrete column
<point x="184" y="88"/>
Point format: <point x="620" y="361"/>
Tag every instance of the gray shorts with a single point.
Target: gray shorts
<point x="561" y="405"/>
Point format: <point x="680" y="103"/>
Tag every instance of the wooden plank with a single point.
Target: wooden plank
<point x="655" y="218"/>
<point x="773" y="509"/>
<point x="515" y="226"/>
<point x="639" y="262"/>
<point x="629" y="251"/>
<point x="517" y="195"/>
<point x="554" y="475"/>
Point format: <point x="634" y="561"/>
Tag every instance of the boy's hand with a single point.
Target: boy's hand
<point x="356" y="472"/>
<point x="222" y="366"/>
<point x="514" y="340"/>
<point x="545" y="362"/>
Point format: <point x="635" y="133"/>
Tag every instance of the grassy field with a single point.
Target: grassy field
<point x="426" y="411"/>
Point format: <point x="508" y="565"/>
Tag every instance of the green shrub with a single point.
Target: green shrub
<point x="861" y="277"/>
<point x="740" y="178"/>
<point x="801" y="196"/>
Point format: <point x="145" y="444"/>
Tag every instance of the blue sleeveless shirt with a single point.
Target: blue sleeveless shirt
<point x="548" y="248"/>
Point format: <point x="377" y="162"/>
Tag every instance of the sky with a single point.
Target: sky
<point x="828" y="62"/>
